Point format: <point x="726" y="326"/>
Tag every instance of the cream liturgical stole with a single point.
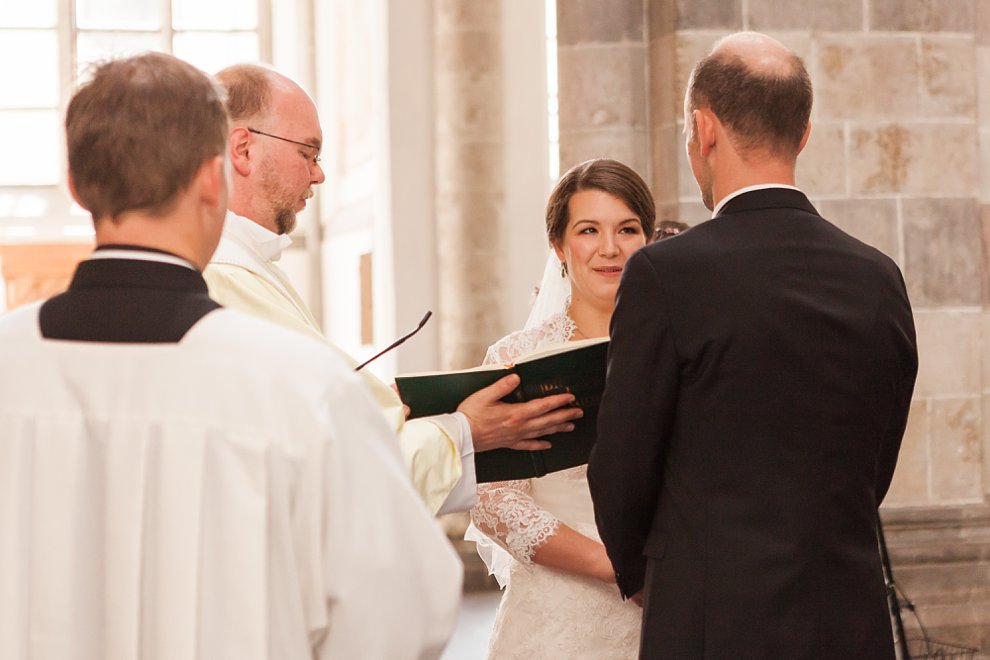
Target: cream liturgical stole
<point x="242" y="276"/>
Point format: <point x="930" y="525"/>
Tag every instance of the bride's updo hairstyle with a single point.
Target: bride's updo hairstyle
<point x="608" y="176"/>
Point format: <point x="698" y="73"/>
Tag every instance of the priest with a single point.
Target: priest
<point x="178" y="480"/>
<point x="274" y="147"/>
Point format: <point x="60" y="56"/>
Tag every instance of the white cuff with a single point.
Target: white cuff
<point x="465" y="492"/>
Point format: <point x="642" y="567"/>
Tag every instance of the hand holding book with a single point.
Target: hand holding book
<point x="574" y="371"/>
<point x="496" y="424"/>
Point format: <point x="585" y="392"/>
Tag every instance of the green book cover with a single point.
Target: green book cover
<point x="575" y="367"/>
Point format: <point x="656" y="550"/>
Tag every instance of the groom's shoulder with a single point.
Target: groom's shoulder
<point x="688" y="243"/>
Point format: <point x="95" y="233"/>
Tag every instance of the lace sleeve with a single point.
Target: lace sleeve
<point x="497" y="354"/>
<point x="555" y="330"/>
<point x="507" y="514"/>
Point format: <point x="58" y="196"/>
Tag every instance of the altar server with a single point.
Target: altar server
<point x="178" y="480"/>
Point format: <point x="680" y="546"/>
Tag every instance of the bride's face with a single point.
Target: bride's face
<point x="601" y="234"/>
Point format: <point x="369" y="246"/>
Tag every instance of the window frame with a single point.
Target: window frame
<point x="61" y="220"/>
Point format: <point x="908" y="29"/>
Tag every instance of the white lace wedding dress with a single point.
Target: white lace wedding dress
<point x="546" y="613"/>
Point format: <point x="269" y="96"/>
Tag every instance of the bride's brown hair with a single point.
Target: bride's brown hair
<point x="608" y="176"/>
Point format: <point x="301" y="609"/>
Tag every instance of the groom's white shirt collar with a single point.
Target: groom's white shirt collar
<point x="762" y="186"/>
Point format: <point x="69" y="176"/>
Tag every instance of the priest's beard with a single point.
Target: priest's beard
<point x="281" y="201"/>
<point x="285" y="220"/>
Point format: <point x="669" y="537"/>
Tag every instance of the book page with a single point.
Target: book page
<point x="484" y="367"/>
<point x="555" y="349"/>
<point x="543" y="352"/>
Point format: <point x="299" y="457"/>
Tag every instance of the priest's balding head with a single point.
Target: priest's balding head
<point x="146" y="142"/>
<point x="274" y="144"/>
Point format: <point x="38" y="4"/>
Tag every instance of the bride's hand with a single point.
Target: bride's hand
<point x="571" y="551"/>
<point x="603" y="568"/>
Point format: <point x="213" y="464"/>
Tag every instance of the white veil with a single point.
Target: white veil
<point x="552" y="297"/>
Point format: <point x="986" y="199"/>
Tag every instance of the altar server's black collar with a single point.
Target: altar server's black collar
<point x="128" y="300"/>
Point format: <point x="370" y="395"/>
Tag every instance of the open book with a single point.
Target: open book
<point x="577" y="367"/>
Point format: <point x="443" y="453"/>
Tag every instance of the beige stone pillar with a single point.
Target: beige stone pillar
<point x="666" y="94"/>
<point x="983" y="124"/>
<point x="602" y="77"/>
<point x="469" y="177"/>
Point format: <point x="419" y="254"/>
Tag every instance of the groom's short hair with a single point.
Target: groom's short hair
<point x="764" y="110"/>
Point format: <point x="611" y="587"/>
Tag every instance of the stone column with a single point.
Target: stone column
<point x="666" y="113"/>
<point x="469" y="177"/>
<point x="602" y="74"/>
<point x="983" y="124"/>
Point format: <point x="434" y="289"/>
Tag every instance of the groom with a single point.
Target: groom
<point x="760" y="372"/>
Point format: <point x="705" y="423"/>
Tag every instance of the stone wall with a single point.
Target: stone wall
<point x="940" y="559"/>
<point x="602" y="64"/>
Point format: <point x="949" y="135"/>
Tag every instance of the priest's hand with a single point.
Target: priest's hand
<point x="406" y="410"/>
<point x="496" y="424"/>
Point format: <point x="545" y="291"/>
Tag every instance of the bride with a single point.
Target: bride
<point x="538" y="536"/>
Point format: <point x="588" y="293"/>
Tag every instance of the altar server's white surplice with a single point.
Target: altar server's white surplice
<point x="210" y="499"/>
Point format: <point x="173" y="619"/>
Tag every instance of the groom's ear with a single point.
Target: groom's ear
<point x="804" y="138"/>
<point x="705" y="123"/>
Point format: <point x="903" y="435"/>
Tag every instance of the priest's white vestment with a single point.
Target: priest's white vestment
<point x="438" y="450"/>
<point x="236" y="495"/>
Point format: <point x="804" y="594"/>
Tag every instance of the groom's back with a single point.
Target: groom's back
<point x="793" y="341"/>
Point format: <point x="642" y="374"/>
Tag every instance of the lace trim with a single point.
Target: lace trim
<point x="505" y="511"/>
<point x="557" y="329"/>
<point x="507" y="514"/>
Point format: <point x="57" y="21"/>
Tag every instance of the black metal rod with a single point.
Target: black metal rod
<point x="395" y="343"/>
<point x="892" y="603"/>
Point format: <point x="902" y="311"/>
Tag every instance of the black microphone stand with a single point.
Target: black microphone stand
<point x="396" y="343"/>
<point x="892" y="603"/>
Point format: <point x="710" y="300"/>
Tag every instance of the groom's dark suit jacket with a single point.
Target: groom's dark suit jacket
<point x="760" y="373"/>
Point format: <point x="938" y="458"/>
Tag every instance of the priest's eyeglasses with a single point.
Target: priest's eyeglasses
<point x="316" y="158"/>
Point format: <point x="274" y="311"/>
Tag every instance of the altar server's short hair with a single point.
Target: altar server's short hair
<point x="139" y="130"/>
